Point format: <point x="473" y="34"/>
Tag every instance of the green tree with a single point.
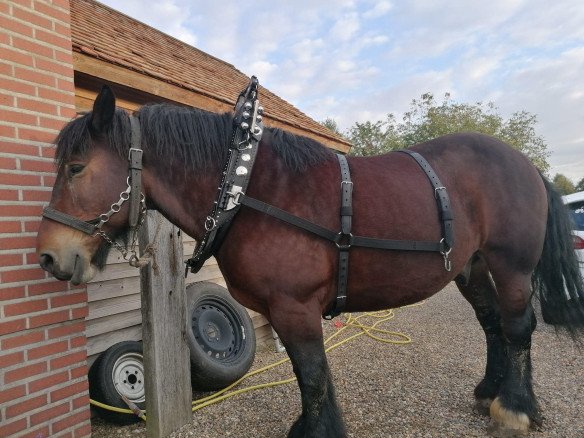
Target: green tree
<point x="563" y="184"/>
<point x="580" y="185"/>
<point x="428" y="119"/>
<point x="332" y="125"/>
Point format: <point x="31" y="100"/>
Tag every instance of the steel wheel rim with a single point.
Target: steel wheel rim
<point x="218" y="330"/>
<point x="128" y="377"/>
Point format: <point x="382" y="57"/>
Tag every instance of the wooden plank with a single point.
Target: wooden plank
<point x="113" y="288"/>
<point x="97" y="344"/>
<point x="112" y="306"/>
<point x="166" y="353"/>
<point x="106" y="324"/>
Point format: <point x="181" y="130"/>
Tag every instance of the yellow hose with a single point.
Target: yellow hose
<point x="381" y="316"/>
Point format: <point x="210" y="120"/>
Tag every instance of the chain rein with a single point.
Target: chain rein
<point x="133" y="260"/>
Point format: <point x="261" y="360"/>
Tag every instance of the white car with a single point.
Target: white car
<point x="575" y="203"/>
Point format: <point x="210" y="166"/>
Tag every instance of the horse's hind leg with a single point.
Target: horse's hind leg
<point x="300" y="330"/>
<point x="479" y="291"/>
<point x="515" y="407"/>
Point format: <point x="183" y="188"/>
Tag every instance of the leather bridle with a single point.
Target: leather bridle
<point x="132" y="194"/>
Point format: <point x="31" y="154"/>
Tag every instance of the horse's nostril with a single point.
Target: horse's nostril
<point x="46" y="261"/>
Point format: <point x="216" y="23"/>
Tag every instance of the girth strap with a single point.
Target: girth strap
<point x="345" y="238"/>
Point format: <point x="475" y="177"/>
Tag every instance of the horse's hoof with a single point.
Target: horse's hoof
<point x="507" y="423"/>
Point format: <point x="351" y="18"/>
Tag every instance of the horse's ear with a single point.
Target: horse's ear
<point x="104" y="108"/>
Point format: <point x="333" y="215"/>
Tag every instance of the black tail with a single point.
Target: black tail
<point x="557" y="279"/>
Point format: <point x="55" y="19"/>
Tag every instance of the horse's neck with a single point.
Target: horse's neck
<point x="184" y="198"/>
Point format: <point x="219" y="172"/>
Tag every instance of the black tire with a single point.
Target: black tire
<point x="118" y="370"/>
<point x="220" y="335"/>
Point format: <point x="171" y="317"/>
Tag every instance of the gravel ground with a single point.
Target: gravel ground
<point x="422" y="389"/>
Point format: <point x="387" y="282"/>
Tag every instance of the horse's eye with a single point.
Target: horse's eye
<point x="74" y="169"/>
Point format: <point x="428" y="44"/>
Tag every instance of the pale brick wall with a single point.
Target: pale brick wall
<point x="43" y="383"/>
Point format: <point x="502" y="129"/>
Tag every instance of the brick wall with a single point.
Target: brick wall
<point x="43" y="383"/>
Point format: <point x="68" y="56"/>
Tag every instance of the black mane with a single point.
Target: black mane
<point x="190" y="137"/>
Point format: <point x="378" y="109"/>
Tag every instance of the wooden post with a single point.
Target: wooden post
<point x="166" y="353"/>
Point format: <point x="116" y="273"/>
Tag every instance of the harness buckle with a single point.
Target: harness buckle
<point x="346" y="182"/>
<point x="344" y="241"/>
<point x="436" y="191"/>
<point x="445" y="254"/>
<point x="210" y="223"/>
<point x="134" y="150"/>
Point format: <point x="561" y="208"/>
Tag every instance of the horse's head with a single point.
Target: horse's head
<point x="92" y="171"/>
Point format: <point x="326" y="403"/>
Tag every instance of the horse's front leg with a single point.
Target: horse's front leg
<point x="300" y="329"/>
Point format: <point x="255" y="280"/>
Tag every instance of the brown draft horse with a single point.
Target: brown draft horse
<point x="512" y="237"/>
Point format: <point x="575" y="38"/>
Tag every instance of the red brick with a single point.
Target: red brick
<point x="11" y="359"/>
<point x="18" y="148"/>
<point x="15" y="86"/>
<point x="37" y="105"/>
<point x="11" y="293"/>
<point x="47" y="350"/>
<point x="19" y="242"/>
<point x="32" y="47"/>
<point x="66" y="330"/>
<point x="22" y="274"/>
<point x="32" y="18"/>
<point x="50" y="10"/>
<point x="18" y="117"/>
<point x="51" y="123"/>
<point x="78" y="372"/>
<point x="69" y="359"/>
<point x="25" y="307"/>
<point x="49" y="180"/>
<point x="17" y="57"/>
<point x="71" y="420"/>
<point x="7" y="163"/>
<point x="7" y="131"/>
<point x="48" y="414"/>
<point x="58" y="96"/>
<point x="53" y="39"/>
<point x="47" y="287"/>
<point x="10" y="259"/>
<point x="68" y="391"/>
<point x="10" y="227"/>
<point x="38" y="135"/>
<point x="25" y="339"/>
<point x="17" y="179"/>
<point x="12" y="326"/>
<point x="13" y="428"/>
<point x="12" y="394"/>
<point x="8" y="195"/>
<point x="25" y="372"/>
<point x="79" y="341"/>
<point x="83" y="431"/>
<point x="80" y="312"/>
<point x="80" y="402"/>
<point x="21" y="210"/>
<point x="48" y="151"/>
<point x="32" y="227"/>
<point x="54" y="67"/>
<point x="37" y="433"/>
<point x="38" y="165"/>
<point x="26" y="406"/>
<point x="15" y="26"/>
<point x="47" y="382"/>
<point x="48" y="318"/>
<point x="69" y="299"/>
<point x="66" y="85"/>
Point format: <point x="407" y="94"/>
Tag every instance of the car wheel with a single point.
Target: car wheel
<point x="118" y="371"/>
<point x="220" y="335"/>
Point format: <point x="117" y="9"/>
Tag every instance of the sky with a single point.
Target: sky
<point x="358" y="60"/>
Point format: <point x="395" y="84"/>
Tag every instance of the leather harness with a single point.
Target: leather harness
<point x="232" y="195"/>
